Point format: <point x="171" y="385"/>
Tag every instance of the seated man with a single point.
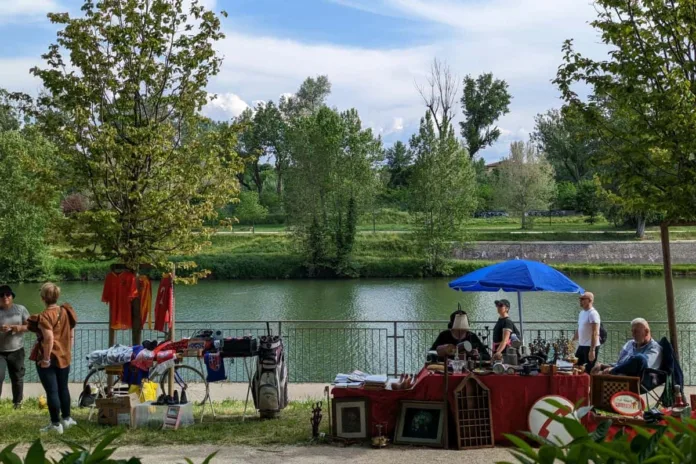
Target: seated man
<point x="458" y="332"/>
<point x="641" y="353"/>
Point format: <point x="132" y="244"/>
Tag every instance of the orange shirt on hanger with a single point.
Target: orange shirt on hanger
<point x="119" y="292"/>
<point x="145" y="301"/>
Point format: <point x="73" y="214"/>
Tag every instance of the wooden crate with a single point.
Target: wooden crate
<point x="474" y="419"/>
<point x="606" y="386"/>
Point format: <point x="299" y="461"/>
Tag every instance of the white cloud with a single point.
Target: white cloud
<point x="11" y="10"/>
<point x="225" y="106"/>
<point x="397" y="125"/>
<point x="518" y="40"/>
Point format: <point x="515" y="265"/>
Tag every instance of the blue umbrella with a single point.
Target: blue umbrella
<point x="517" y="275"/>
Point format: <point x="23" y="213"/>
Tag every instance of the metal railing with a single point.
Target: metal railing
<point x="317" y="350"/>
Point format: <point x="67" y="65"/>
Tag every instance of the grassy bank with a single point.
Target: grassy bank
<point x="292" y="428"/>
<point x="375" y="256"/>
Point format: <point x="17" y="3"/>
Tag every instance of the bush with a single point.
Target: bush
<point x="100" y="454"/>
<point x="674" y="443"/>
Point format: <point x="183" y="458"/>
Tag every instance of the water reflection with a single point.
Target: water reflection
<point x="388" y="299"/>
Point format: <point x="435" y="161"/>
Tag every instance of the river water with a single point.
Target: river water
<point x="617" y="298"/>
<point x="316" y="351"/>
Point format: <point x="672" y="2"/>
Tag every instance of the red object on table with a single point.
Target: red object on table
<point x="512" y="396"/>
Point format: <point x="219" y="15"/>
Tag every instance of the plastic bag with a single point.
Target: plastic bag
<point x="146" y="392"/>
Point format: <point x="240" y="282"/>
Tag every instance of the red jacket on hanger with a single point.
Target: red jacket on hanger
<point x="164" y="305"/>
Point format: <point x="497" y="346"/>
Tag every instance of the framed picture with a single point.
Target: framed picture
<point x="420" y="423"/>
<point x="350" y="418"/>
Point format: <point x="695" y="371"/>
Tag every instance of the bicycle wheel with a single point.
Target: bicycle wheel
<point x="190" y="380"/>
<point x="97" y="381"/>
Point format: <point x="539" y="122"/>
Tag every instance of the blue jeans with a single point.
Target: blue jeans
<point x="633" y="366"/>
<point x="55" y="382"/>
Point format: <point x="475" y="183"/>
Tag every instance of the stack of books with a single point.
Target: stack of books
<point x="355" y="379"/>
<point x="375" y="382"/>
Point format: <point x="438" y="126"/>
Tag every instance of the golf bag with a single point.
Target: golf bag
<point x="270" y="383"/>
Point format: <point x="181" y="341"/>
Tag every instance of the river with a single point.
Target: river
<point x="617" y="298"/>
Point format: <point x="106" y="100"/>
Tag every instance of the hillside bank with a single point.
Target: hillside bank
<point x="394" y="255"/>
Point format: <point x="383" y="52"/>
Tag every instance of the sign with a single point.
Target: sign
<point x="627" y="403"/>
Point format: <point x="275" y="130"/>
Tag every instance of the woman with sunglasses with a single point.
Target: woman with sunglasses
<point x="13" y="324"/>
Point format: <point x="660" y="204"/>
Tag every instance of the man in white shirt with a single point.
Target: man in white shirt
<point x="587" y="334"/>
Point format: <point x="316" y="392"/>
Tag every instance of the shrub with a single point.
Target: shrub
<point x="674" y="443"/>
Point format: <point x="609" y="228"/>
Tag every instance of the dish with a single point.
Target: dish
<point x="478" y="371"/>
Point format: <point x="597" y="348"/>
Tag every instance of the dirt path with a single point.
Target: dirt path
<point x="309" y="455"/>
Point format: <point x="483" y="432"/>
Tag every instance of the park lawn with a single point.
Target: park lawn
<point x="292" y="428"/>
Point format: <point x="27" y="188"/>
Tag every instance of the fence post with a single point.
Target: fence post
<point x="396" y="351"/>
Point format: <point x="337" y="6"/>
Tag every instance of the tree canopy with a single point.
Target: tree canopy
<point x="642" y="101"/>
<point x="484" y="101"/>
<point x="130" y="128"/>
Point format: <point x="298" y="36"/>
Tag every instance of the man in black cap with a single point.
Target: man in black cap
<point x="13" y="324"/>
<point x="503" y="330"/>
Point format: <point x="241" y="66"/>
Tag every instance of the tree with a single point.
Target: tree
<point x="309" y="99"/>
<point x="642" y="101"/>
<point x="131" y="131"/>
<point x="329" y="182"/>
<point x="443" y="192"/>
<point x="399" y="162"/>
<point x="568" y="142"/>
<point x="525" y="181"/>
<point x="484" y="101"/>
<point x="250" y="209"/>
<point x="28" y="203"/>
<point x="566" y="196"/>
<point x="439" y="96"/>
<point x="589" y="199"/>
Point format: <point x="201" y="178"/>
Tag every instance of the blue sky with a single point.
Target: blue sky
<point x="374" y="51"/>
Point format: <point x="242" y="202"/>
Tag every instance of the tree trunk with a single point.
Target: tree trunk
<point x="640" y="229"/>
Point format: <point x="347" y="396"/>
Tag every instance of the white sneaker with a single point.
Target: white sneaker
<point x="58" y="428"/>
<point x="67" y="423"/>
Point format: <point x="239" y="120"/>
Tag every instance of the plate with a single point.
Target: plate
<point x="478" y="371"/>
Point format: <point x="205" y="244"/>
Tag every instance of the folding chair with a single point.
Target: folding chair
<point x="668" y="375"/>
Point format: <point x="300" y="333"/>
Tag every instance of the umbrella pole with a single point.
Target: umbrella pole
<point x="519" y="308"/>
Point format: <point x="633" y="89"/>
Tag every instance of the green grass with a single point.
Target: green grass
<point x="292" y="428"/>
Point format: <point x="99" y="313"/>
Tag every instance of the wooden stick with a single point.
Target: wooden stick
<point x="171" y="330"/>
<point x="669" y="288"/>
<point x="446" y="400"/>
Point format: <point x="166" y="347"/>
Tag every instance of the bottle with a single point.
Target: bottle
<point x="678" y="400"/>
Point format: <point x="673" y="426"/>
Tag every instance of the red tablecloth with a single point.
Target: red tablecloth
<point x="512" y="396"/>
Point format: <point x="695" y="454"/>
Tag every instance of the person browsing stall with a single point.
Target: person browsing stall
<point x="13" y="324"/>
<point x="503" y="330"/>
<point x="458" y="332"/>
<point x="638" y="354"/>
<point x="587" y="333"/>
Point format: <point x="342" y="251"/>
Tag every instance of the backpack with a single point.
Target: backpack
<point x="602" y="334"/>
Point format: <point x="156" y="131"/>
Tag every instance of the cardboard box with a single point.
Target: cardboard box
<point x="117" y="410"/>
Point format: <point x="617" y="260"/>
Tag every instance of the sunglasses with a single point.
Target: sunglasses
<point x="584" y="298"/>
<point x="6" y="295"/>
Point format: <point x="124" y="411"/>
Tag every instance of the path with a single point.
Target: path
<point x="305" y="455"/>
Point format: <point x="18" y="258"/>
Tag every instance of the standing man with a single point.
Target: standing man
<point x="13" y="324"/>
<point x="587" y="334"/>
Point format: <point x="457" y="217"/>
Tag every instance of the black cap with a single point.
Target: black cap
<point x="6" y="289"/>
<point x="503" y="302"/>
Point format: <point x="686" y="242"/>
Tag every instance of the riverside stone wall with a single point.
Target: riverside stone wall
<point x="683" y="252"/>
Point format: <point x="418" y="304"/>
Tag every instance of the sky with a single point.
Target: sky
<point x="374" y="52"/>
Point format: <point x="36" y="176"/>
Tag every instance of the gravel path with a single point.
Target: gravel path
<point x="307" y="455"/>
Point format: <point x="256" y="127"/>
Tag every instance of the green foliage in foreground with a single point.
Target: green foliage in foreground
<point x="100" y="453"/>
<point x="674" y="443"/>
<point x="292" y="428"/>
